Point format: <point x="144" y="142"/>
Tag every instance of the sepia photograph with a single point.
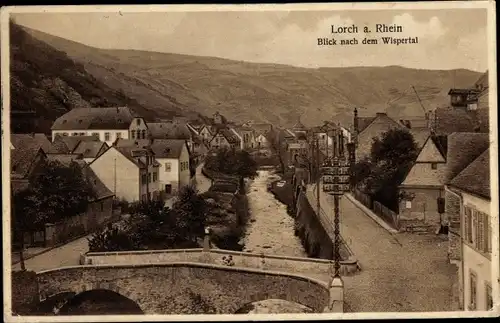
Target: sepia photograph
<point x="262" y="161"/>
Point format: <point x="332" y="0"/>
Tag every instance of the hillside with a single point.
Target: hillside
<point x="49" y="83"/>
<point x="273" y="93"/>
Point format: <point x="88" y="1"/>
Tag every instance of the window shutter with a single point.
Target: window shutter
<point x="467" y="225"/>
<point x="487" y="233"/>
<point x="480" y="231"/>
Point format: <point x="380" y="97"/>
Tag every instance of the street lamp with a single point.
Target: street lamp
<point x="336" y="181"/>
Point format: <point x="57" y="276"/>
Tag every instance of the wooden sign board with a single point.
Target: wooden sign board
<point x="335" y="170"/>
<point x="333" y="179"/>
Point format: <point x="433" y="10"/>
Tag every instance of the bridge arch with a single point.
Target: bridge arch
<point x="284" y="306"/>
<point x="156" y="287"/>
<point x="98" y="302"/>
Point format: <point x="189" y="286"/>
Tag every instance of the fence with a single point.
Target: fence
<point x="386" y="214"/>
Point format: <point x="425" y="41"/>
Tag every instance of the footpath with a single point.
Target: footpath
<point x="399" y="271"/>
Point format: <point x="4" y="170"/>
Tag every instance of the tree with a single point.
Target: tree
<point x="391" y="158"/>
<point x="278" y="146"/>
<point x="112" y="239"/>
<point x="60" y="191"/>
<point x="190" y="213"/>
<point x="233" y="162"/>
<point x="56" y="192"/>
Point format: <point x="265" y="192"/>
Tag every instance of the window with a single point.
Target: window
<point x="138" y="122"/>
<point x="118" y="135"/>
<point x="143" y="178"/>
<point x="149" y="177"/>
<point x="82" y="133"/>
<point x="168" y="167"/>
<point x="65" y="134"/>
<point x="106" y="136"/>
<point x="155" y="176"/>
<point x="473" y="291"/>
<point x="489" y="297"/>
<point x="132" y="133"/>
<point x="434" y="165"/>
<point x="143" y="134"/>
<point x="95" y="134"/>
<point x="74" y="134"/>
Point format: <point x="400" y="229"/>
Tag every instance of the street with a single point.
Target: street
<point x="400" y="272"/>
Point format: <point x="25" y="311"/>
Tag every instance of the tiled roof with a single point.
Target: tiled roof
<point x="364" y="122"/>
<point x="228" y="134"/>
<point x="168" y="130"/>
<point x="128" y="153"/>
<point x="475" y="178"/>
<point x="37" y="139"/>
<point x="22" y="158"/>
<point x="89" y="149"/>
<point x="100" y="190"/>
<point x="441" y="143"/>
<point x="168" y="148"/>
<point x="95" y="118"/>
<point x="65" y="159"/>
<point x="463" y="148"/>
<point x="449" y="120"/>
<point x="140" y="143"/>
<point x="69" y="143"/>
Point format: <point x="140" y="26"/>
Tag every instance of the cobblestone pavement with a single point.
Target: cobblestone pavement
<point x="400" y="272"/>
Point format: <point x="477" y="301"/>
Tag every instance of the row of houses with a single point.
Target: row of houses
<point x="452" y="168"/>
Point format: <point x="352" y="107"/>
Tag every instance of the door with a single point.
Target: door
<point x="168" y="189"/>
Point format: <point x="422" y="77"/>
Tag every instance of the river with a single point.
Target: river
<point x="271" y="231"/>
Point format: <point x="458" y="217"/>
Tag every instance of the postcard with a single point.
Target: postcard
<point x="250" y="162"/>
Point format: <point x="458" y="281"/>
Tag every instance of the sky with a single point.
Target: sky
<point x="448" y="38"/>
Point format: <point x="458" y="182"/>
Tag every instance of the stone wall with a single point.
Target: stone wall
<point x="24" y="292"/>
<point x="296" y="265"/>
<point x="161" y="288"/>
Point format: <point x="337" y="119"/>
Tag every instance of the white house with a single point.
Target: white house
<point x="108" y="124"/>
<point x="173" y="157"/>
<point x="472" y="189"/>
<point x="130" y="172"/>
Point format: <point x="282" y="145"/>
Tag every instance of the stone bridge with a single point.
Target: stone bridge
<point x="161" y="288"/>
<point x="320" y="269"/>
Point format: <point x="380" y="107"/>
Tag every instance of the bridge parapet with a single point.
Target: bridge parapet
<point x="159" y="288"/>
<point x="310" y="267"/>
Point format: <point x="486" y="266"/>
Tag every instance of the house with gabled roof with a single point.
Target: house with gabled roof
<point x="38" y="139"/>
<point x="173" y="157"/>
<point x="108" y="124"/>
<point x="424" y="183"/>
<point x="26" y="161"/>
<point x="246" y="135"/>
<point x="367" y="128"/>
<point x="171" y="130"/>
<point x="130" y="171"/>
<point x="470" y="239"/>
<point x="205" y="133"/>
<point x="224" y="137"/>
<point x="90" y="150"/>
